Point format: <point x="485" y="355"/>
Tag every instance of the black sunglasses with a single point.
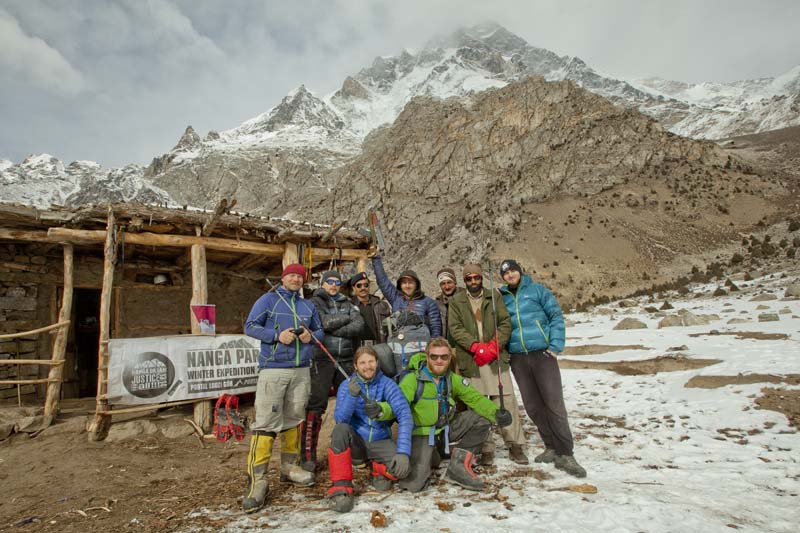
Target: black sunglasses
<point x="474" y="277"/>
<point x="333" y="281"/>
<point x="438" y="357"/>
<point x="361" y="285"/>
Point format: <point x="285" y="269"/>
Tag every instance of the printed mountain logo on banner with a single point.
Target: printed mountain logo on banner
<point x="148" y="374"/>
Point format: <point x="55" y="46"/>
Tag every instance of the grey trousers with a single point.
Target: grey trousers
<point x="539" y="380"/>
<point x="281" y="397"/>
<point x="468" y="430"/>
<point x="344" y="436"/>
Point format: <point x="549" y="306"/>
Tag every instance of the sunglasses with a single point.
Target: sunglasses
<point x="439" y="357"/>
<point x="474" y="277"/>
<point x="333" y="281"/>
<point x="361" y="285"/>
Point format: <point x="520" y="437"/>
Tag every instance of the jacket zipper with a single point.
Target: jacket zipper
<point x="369" y="420"/>
<point x="296" y="340"/>
<point x="519" y="323"/>
<point x="546" y="339"/>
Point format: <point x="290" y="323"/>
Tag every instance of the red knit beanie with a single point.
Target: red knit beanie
<point x="294" y="268"/>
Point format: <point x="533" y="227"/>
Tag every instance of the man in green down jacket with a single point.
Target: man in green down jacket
<point x="432" y="390"/>
<point x="472" y="323"/>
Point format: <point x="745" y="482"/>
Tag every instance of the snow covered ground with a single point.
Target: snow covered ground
<point x="662" y="457"/>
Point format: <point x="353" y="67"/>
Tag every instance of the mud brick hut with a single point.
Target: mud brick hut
<point x="71" y="279"/>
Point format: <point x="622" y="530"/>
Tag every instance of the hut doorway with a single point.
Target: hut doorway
<point x="86" y="303"/>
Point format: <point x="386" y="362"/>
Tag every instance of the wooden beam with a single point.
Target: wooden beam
<point x="53" y="395"/>
<point x="361" y="264"/>
<point x="24" y="235"/>
<point x="347" y="254"/>
<point x="246" y="263"/>
<point x="98" y="427"/>
<point x="179" y="241"/>
<point x="203" y="408"/>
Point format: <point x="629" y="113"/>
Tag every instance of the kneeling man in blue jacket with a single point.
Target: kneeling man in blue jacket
<point x="366" y="404"/>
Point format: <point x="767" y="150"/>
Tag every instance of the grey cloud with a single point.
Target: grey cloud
<point x="147" y="68"/>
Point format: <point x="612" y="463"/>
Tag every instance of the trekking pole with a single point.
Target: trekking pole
<point x="496" y="339"/>
<point x="314" y="337"/>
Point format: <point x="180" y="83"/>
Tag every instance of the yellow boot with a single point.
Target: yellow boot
<point x="257" y="463"/>
<point x="290" y="453"/>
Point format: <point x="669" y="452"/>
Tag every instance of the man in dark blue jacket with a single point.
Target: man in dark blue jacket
<point x="537" y="337"/>
<point x="284" y="323"/>
<point x="366" y="404"/>
<point x="407" y="295"/>
<point x="343" y="323"/>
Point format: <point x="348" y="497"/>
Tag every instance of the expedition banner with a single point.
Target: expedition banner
<point x="166" y="369"/>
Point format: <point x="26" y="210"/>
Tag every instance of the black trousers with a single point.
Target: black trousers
<point x="344" y="436"/>
<point x="539" y="381"/>
<point x="324" y="375"/>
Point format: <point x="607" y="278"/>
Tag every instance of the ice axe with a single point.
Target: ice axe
<point x="314" y="337"/>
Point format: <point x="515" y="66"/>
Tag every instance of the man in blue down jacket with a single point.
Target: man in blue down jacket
<point x="366" y="404"/>
<point x="343" y="323"/>
<point x="283" y="322"/>
<point x="537" y="337"/>
<point x="407" y="295"/>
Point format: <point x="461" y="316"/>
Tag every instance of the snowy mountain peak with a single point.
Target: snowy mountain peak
<point x="188" y="141"/>
<point x="299" y="108"/>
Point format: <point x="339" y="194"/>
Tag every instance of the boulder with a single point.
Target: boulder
<point x="6" y="429"/>
<point x="630" y="323"/>
<point x="739" y="321"/>
<point x="765" y="297"/>
<point x="768" y="317"/>
<point x="32" y="424"/>
<point x="670" y="321"/>
<point x="793" y="290"/>
<point x="128" y="430"/>
<point x="666" y="306"/>
<point x="176" y="429"/>
<point x="628" y="303"/>
<point x="762" y="307"/>
<point x="605" y="311"/>
<point x="785" y="311"/>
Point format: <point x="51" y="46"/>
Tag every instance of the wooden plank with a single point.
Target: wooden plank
<point x="151" y="407"/>
<point x="178" y="241"/>
<point x="10" y="234"/>
<point x="53" y="395"/>
<point x="98" y="427"/>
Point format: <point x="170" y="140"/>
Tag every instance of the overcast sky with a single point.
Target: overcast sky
<point x="117" y="81"/>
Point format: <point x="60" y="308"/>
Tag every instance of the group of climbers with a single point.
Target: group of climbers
<point x="444" y="399"/>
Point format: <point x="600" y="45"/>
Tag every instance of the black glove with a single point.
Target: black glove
<point x="399" y="466"/>
<point x="353" y="387"/>
<point x="372" y="408"/>
<point x="503" y="418"/>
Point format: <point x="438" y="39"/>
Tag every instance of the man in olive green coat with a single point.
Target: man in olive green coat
<point x="471" y="327"/>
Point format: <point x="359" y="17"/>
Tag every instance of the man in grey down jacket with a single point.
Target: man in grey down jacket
<point x="343" y="323"/>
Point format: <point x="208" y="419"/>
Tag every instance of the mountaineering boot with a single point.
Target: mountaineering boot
<point x="517" y="454"/>
<point x="568" y="464"/>
<point x="382" y="480"/>
<point x="341" y="491"/>
<point x="290" y="453"/>
<point x="257" y="463"/>
<point x="547" y="456"/>
<point x="308" y="441"/>
<point x="460" y="470"/>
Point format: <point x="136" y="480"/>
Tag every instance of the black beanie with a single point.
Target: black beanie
<point x="509" y="264"/>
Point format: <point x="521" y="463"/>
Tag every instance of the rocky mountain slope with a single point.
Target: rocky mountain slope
<point x="589" y="195"/>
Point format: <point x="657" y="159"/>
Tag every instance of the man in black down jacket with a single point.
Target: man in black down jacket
<point x="373" y="309"/>
<point x="343" y="323"/>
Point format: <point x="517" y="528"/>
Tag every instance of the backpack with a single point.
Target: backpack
<point x="407" y="335"/>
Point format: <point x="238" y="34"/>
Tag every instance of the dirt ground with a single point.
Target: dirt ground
<point x="59" y="481"/>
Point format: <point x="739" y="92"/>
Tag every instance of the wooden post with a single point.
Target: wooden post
<point x="361" y="265"/>
<point x="203" y="408"/>
<point x="53" y="397"/>
<point x="290" y="255"/>
<point x="98" y="427"/>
